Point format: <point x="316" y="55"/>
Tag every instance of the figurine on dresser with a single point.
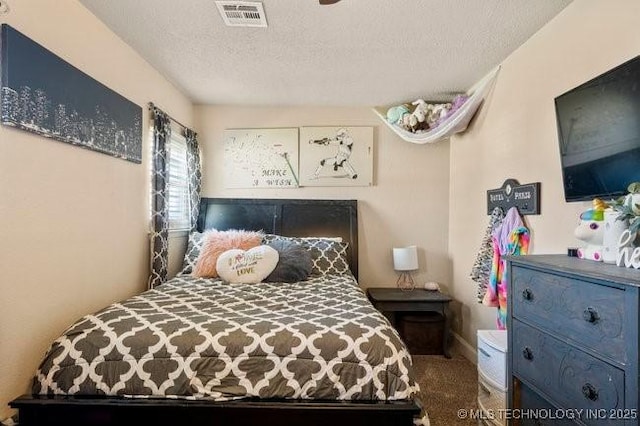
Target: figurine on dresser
<point x="590" y="230"/>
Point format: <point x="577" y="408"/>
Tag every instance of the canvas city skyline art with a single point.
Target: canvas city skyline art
<point x="43" y="94"/>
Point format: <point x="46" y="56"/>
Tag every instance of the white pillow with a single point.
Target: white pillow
<point x="247" y="267"/>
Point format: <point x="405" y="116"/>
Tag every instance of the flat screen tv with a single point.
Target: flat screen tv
<point x="599" y="134"/>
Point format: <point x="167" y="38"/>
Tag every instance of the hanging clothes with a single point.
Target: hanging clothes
<point x="509" y="239"/>
<point x="481" y="268"/>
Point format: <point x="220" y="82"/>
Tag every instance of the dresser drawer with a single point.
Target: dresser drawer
<point x="569" y="376"/>
<point x="589" y="314"/>
<point x="539" y="412"/>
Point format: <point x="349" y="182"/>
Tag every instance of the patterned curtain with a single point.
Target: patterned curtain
<point x="195" y="174"/>
<point x="159" y="220"/>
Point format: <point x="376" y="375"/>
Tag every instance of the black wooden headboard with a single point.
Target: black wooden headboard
<point x="291" y="218"/>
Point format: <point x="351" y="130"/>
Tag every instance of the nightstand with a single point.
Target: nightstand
<point x="401" y="306"/>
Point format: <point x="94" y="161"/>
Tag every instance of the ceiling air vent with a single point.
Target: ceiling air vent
<point x="242" y="13"/>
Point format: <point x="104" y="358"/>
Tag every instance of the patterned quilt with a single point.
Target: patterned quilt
<point x="201" y="338"/>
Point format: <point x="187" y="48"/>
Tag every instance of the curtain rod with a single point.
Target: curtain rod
<point x="152" y="105"/>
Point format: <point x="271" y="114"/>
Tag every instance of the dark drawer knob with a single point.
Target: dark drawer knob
<point x="527" y="354"/>
<point x="590" y="315"/>
<point x="527" y="294"/>
<point x="589" y="391"/>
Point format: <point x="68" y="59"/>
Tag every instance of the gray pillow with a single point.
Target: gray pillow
<point x="194" y="246"/>
<point x="295" y="263"/>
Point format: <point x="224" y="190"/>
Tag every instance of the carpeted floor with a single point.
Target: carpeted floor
<point x="446" y="386"/>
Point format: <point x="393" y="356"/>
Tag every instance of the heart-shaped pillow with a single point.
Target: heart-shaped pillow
<point x="247" y="267"/>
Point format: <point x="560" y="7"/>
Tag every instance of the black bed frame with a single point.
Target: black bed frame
<point x="330" y="218"/>
<point x="291" y="218"/>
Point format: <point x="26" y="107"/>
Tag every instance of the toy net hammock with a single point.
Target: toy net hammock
<point x="455" y="123"/>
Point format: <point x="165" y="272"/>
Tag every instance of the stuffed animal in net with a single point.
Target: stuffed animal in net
<point x="412" y="119"/>
<point x="456" y="104"/>
<point x="396" y="113"/>
<point x="436" y="113"/>
<point x="590" y="230"/>
<point x="418" y="118"/>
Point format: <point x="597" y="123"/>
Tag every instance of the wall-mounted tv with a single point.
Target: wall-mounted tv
<point x="599" y="134"/>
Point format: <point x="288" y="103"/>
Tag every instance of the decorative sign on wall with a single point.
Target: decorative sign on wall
<point x="261" y="158"/>
<point x="43" y="94"/>
<point x="525" y="197"/>
<point x="336" y="156"/>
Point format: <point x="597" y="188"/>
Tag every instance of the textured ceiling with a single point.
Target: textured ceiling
<point x="355" y="52"/>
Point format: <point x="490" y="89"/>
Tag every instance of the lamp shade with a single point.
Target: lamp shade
<point x="405" y="258"/>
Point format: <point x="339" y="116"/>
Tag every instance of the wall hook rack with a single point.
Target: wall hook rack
<point x="511" y="194"/>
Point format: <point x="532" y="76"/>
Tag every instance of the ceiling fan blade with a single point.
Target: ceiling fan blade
<point x="325" y="2"/>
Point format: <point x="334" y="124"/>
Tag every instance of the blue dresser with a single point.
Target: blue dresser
<point x="573" y="342"/>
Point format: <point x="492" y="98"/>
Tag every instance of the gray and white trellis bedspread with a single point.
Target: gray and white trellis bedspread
<point x="198" y="338"/>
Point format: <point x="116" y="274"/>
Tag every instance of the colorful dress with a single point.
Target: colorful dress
<point x="509" y="239"/>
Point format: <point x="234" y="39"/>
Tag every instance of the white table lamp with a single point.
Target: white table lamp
<point x="405" y="259"/>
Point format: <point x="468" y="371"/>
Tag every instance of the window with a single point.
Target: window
<point x="178" y="183"/>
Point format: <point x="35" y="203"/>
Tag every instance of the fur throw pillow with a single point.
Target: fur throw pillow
<point x="295" y="262"/>
<point x="217" y="242"/>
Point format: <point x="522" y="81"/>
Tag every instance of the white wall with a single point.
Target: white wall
<point x="73" y="222"/>
<point x="406" y="205"/>
<point x="515" y="136"/>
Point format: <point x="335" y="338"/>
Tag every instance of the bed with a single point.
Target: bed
<point x="304" y="353"/>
